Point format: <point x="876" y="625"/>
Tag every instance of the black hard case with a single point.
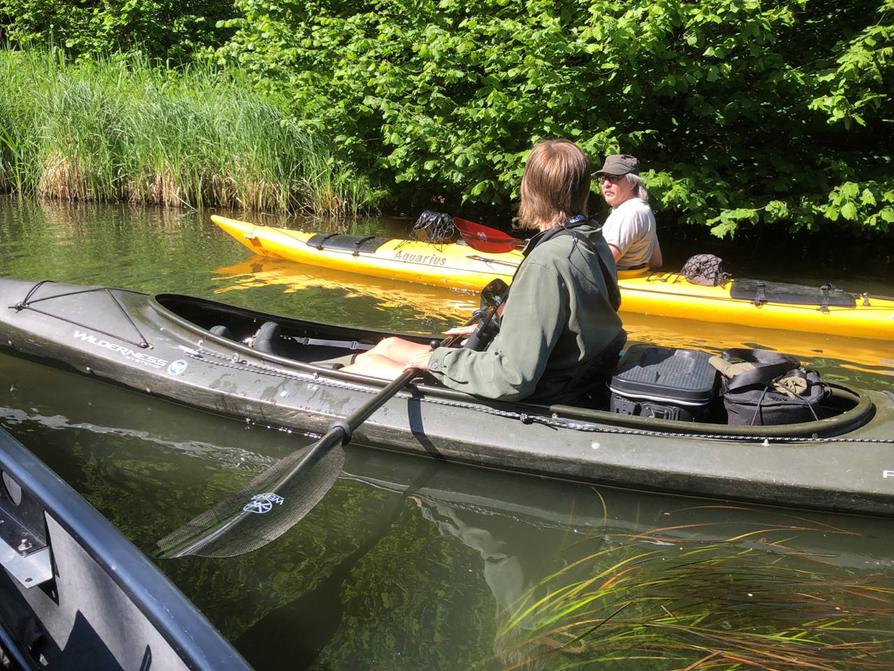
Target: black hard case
<point x="663" y="382"/>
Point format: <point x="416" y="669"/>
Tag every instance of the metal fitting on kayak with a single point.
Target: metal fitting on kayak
<point x="344" y="427"/>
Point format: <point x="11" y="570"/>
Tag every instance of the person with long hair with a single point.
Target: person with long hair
<point x="560" y="333"/>
<point x="630" y="229"/>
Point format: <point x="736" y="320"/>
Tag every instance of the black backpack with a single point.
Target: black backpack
<point x="434" y="227"/>
<point x="751" y="398"/>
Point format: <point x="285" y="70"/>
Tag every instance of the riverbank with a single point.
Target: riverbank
<point x="121" y="129"/>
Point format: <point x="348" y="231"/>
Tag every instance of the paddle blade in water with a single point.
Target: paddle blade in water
<point x="485" y="238"/>
<point x="259" y="513"/>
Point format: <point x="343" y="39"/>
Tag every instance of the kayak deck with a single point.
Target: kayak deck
<point x="165" y="346"/>
<point x="663" y="294"/>
<point x="451" y="265"/>
<point x="672" y="295"/>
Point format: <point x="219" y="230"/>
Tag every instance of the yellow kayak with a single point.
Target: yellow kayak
<point x="458" y="266"/>
<point x="455" y="265"/>
<point x="452" y="307"/>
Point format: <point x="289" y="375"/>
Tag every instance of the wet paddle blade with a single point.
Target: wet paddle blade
<point x="261" y="512"/>
<point x="485" y="238"/>
<point x="283" y="494"/>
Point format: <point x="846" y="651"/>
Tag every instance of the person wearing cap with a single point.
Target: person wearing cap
<point x="560" y="333"/>
<point x="630" y="228"/>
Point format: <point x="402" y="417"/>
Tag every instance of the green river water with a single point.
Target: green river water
<point x="408" y="564"/>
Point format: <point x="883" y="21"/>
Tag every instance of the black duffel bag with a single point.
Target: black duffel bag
<point x="776" y="390"/>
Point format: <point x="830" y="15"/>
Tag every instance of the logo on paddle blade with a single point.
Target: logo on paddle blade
<point x="262" y="503"/>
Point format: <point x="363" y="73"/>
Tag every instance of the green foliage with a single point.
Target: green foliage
<point x="168" y="29"/>
<point x="745" y="111"/>
<point x="120" y="129"/>
<point x="858" y="89"/>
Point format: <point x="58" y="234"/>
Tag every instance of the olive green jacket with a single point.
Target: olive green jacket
<point x="557" y="321"/>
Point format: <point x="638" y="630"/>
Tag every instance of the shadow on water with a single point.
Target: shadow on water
<point x="409" y="563"/>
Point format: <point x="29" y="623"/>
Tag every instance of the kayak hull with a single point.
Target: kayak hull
<point x="161" y="346"/>
<point x="77" y="594"/>
<point x="660" y="294"/>
<point x="454" y="265"/>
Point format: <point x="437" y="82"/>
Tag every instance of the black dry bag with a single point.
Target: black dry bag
<point x="434" y="227"/>
<point x="776" y="390"/>
<point x="705" y="269"/>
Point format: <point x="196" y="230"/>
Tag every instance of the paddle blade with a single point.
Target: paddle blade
<point x="485" y="238"/>
<point x="259" y="513"/>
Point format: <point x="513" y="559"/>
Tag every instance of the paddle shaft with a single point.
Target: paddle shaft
<point x="273" y="486"/>
<point x="341" y="431"/>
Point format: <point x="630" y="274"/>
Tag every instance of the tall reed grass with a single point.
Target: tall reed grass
<point x="122" y="129"/>
<point x="660" y="600"/>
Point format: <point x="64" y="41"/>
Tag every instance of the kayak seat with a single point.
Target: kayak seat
<point x="267" y="338"/>
<point x="222" y="331"/>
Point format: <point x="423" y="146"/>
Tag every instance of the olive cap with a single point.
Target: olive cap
<point x="619" y="164"/>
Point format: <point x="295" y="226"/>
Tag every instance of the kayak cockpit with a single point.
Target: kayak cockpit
<point x="312" y="345"/>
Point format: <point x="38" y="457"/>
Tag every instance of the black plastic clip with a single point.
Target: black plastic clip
<point x="825" y="289"/>
<point x="760" y="294"/>
<point x="359" y="243"/>
<point x="345" y="429"/>
<point x="320" y="244"/>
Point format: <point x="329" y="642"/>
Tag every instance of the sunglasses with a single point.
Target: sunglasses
<point x="614" y="179"/>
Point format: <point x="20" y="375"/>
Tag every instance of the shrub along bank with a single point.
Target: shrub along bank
<point x="171" y="30"/>
<point x="120" y="129"/>
<point x="745" y="112"/>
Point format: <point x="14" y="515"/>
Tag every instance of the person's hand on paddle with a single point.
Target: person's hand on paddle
<point x="419" y="361"/>
<point x="469" y="329"/>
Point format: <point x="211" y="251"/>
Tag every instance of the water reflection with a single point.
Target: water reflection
<point x="427" y="302"/>
<point x="408" y="563"/>
<point x="159" y="250"/>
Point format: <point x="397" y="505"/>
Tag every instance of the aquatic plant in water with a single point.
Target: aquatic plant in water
<point x="661" y="600"/>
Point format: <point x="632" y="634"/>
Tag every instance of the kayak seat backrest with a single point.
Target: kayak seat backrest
<point x="222" y="331"/>
<point x="760" y="292"/>
<point x="355" y="244"/>
<point x="267" y="338"/>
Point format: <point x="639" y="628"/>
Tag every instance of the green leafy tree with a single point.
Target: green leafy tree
<point x="162" y="28"/>
<point x="745" y="111"/>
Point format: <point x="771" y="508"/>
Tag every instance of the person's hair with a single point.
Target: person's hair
<point x="639" y="191"/>
<point x="555" y="185"/>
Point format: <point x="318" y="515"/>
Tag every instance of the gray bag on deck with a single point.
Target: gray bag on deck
<point x="705" y="269"/>
<point x="775" y="389"/>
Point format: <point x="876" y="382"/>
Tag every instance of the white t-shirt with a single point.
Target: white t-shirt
<point x="631" y="229"/>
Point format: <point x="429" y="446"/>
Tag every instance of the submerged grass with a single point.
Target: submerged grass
<point x="659" y="601"/>
<point x="121" y="129"/>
